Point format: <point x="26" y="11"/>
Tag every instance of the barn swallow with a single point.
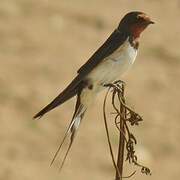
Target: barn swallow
<point x="109" y="62"/>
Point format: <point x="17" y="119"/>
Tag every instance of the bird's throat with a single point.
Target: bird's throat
<point x="136" y="31"/>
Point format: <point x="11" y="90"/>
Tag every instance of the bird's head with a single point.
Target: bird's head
<point x="134" y="23"/>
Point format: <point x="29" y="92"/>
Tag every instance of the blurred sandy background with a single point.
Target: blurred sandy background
<point x="42" y="44"/>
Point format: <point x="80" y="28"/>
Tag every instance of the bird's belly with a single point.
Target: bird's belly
<point x="114" y="65"/>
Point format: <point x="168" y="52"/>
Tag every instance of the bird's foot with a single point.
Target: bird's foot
<point x="115" y="83"/>
<point x="120" y="82"/>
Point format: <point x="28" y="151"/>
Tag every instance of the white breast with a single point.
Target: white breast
<point x="115" y="65"/>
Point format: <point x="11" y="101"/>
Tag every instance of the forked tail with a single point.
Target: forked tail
<point x="72" y="130"/>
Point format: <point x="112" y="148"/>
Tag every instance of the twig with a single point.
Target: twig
<point x="120" y="159"/>
<point x="107" y="133"/>
<point x="126" y="138"/>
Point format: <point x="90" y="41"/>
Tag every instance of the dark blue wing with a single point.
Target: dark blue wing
<point x="115" y="40"/>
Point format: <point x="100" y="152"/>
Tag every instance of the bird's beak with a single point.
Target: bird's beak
<point x="151" y="22"/>
<point x="146" y="18"/>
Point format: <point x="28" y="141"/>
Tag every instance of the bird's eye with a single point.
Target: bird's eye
<point x="140" y="17"/>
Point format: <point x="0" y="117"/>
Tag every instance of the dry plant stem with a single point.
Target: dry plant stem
<point x="120" y="160"/>
<point x="124" y="118"/>
<point x="107" y="133"/>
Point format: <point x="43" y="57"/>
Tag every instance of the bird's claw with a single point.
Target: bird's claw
<point x="118" y="82"/>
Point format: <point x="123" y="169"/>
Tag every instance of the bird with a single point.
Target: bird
<point x="109" y="62"/>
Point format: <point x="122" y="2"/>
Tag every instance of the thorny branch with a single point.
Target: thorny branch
<point x="124" y="117"/>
